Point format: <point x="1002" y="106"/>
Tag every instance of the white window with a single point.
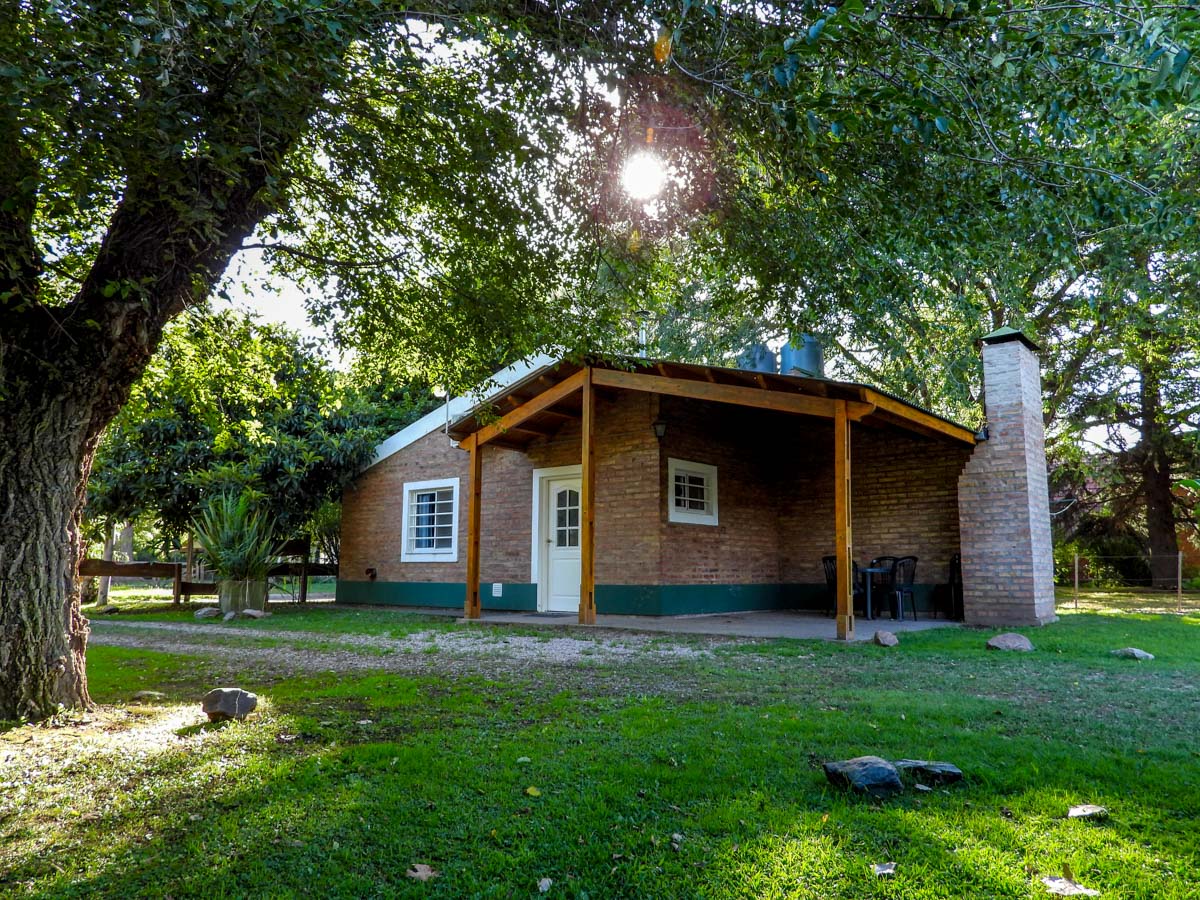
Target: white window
<point x="430" y="521"/>
<point x="691" y="492"/>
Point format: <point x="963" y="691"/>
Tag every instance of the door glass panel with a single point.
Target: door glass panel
<point x="566" y="518"/>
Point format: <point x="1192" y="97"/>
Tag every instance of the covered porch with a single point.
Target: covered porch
<point x="791" y="624"/>
<point x="789" y="448"/>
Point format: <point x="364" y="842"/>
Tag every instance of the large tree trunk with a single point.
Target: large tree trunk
<point x="189" y="198"/>
<point x="1161" y="524"/>
<point x="43" y="635"/>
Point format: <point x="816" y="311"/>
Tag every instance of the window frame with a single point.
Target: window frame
<point x="410" y="490"/>
<point x="687" y="517"/>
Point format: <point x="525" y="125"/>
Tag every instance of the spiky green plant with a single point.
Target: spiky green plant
<point x="237" y="538"/>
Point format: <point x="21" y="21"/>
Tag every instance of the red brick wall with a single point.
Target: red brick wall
<point x="903" y="500"/>
<point x="627" y="493"/>
<point x="775" y="498"/>
<point x="627" y="497"/>
<point x="743" y="548"/>
<point x="372" y="514"/>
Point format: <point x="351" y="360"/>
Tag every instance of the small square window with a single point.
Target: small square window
<point x="692" y="496"/>
<point x="430" y="517"/>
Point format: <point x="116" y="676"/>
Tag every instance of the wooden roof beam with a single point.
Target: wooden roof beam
<point x="530" y="408"/>
<point x="925" y="421"/>
<point x="780" y="401"/>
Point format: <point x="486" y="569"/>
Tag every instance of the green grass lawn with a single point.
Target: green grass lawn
<point x="653" y="777"/>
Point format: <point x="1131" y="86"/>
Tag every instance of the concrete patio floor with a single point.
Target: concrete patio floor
<point x="757" y="624"/>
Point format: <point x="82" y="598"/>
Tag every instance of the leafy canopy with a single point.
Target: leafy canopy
<point x="232" y="407"/>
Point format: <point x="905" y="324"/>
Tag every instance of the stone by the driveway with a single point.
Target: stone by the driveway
<point x="107" y="609"/>
<point x="207" y="612"/>
<point x="149" y="695"/>
<point x="866" y="775"/>
<point x="1087" y="811"/>
<point x="1010" y="641"/>
<point x="930" y="772"/>
<point x="1133" y="653"/>
<point x="885" y="639"/>
<point x="228" y="703"/>
<point x="229" y="616"/>
<point x="254" y="613"/>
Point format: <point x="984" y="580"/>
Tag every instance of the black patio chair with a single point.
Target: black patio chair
<point x="955" y="611"/>
<point x="903" y="573"/>
<point x="883" y="584"/>
<point x="829" y="563"/>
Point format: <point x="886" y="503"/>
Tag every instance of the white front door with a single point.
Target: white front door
<point x="560" y="539"/>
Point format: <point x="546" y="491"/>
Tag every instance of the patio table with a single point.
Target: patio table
<point x="868" y="572"/>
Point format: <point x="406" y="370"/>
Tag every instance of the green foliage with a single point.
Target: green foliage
<point x="325" y="529"/>
<point x="1095" y="571"/>
<point x="228" y="405"/>
<point x="237" y="538"/>
<point x="1111" y="553"/>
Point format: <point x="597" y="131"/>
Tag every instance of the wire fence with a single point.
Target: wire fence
<point x="1150" y="577"/>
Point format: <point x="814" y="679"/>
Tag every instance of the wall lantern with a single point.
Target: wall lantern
<point x="372" y="573"/>
<point x="660" y="428"/>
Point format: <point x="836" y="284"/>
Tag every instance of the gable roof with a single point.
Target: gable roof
<point x="738" y="386"/>
<point x="455" y="407"/>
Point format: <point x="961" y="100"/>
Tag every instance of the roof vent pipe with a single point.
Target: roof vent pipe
<point x="803" y="355"/>
<point x="757" y="358"/>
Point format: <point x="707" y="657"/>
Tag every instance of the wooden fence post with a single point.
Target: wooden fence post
<point x="1077" y="581"/>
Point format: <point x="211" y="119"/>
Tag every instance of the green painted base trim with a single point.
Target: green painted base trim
<point x="447" y="594"/>
<point x="619" y="599"/>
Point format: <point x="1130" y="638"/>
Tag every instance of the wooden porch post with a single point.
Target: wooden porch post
<point x="587" y="508"/>
<point x="474" y="496"/>
<point x="841" y="521"/>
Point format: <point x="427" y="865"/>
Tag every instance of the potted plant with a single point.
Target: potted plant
<point x="238" y="541"/>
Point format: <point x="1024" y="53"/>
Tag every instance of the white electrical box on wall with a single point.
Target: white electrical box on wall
<point x="497" y="589"/>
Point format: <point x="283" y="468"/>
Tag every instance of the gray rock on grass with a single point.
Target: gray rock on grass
<point x="885" y="639"/>
<point x="254" y="613"/>
<point x="1010" y="641"/>
<point x="865" y="775"/>
<point x="207" y="612"/>
<point x="149" y="695"/>
<point x="1133" y="653"/>
<point x="107" y="609"/>
<point x="930" y="772"/>
<point x="228" y="703"/>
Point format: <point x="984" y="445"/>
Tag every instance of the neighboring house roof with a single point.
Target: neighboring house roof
<point x="739" y="386"/>
<point x="456" y="407"/>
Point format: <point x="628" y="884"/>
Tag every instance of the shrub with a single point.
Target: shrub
<point x="236" y="538"/>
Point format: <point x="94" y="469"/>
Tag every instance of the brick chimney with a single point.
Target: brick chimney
<point x="1003" y="496"/>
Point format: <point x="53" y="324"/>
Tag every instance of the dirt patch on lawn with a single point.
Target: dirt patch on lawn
<point x="473" y="651"/>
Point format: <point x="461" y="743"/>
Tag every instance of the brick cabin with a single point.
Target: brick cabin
<point x="711" y="490"/>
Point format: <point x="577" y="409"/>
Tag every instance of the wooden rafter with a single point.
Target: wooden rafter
<point x="529" y="408"/>
<point x="781" y="401"/>
<point x="923" y="420"/>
